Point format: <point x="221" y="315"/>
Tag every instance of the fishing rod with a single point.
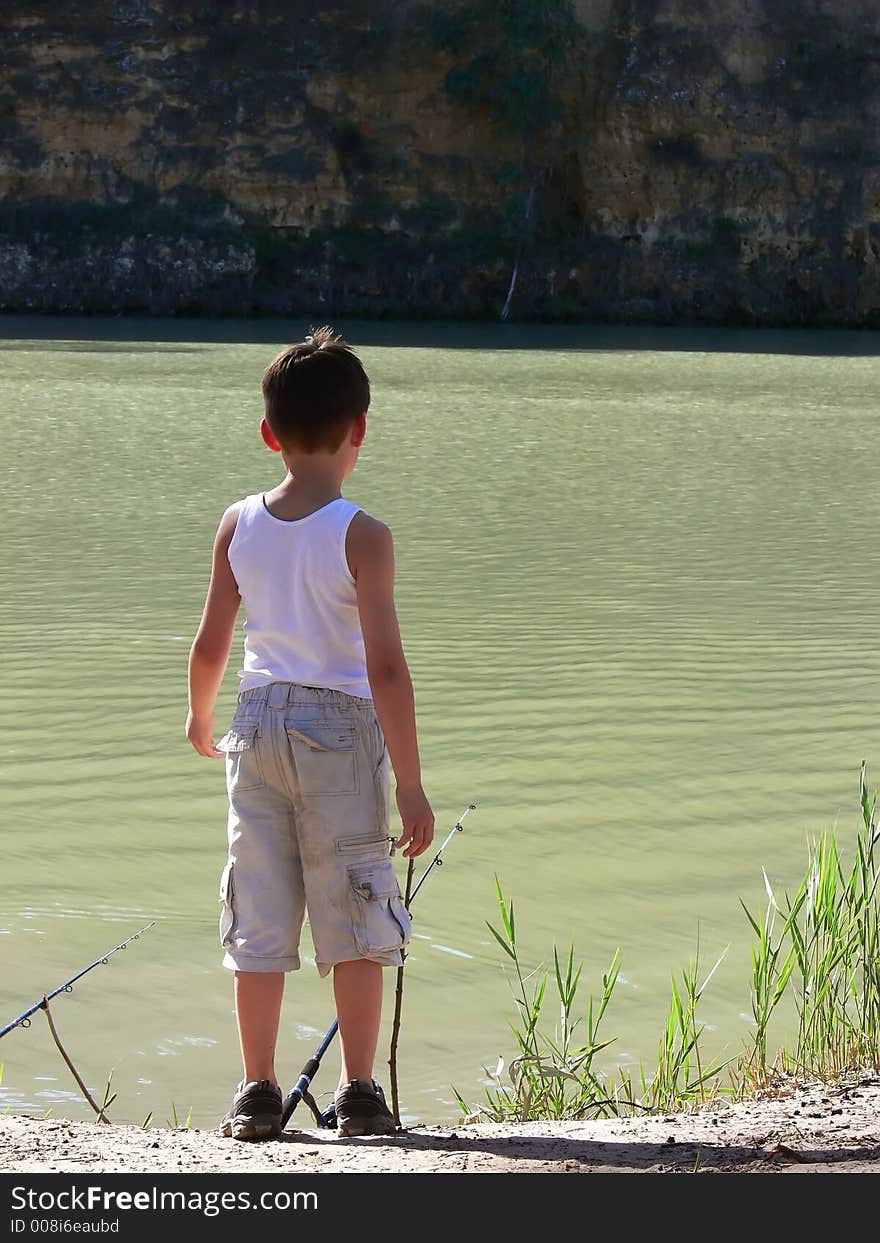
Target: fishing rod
<point x="437" y="862"/>
<point x="24" y="1019"/>
<point x="300" y="1090"/>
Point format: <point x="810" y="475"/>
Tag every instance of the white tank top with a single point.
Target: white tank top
<point x="301" y="617"/>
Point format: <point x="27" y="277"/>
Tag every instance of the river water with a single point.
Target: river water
<point x="638" y="585"/>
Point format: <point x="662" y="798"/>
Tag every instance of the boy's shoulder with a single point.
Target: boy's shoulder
<point x="368" y="529"/>
<point x="368" y="521"/>
<point x="368" y="542"/>
<point x="231" y="513"/>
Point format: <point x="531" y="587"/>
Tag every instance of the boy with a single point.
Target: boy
<point x="325" y="701"/>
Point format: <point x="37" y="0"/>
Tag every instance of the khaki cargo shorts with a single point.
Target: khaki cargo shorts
<point x="307" y="773"/>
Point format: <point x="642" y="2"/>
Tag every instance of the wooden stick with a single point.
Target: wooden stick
<point x="398" y="1006"/>
<point x="99" y="1110"/>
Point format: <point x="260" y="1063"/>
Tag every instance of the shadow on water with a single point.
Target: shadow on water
<point x="109" y="333"/>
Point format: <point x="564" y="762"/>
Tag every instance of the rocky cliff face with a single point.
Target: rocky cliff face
<point x="648" y="159"/>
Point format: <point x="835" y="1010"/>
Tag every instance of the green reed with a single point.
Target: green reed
<point x="552" y="1076"/>
<point x="174" y="1121"/>
<point x="680" y="1075"/>
<point x="772" y="965"/>
<point x="819" y="951"/>
<point x="828" y="951"/>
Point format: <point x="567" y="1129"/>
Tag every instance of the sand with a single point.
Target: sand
<point x="807" y="1129"/>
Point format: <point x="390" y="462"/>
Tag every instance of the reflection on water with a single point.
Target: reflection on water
<point x="638" y="584"/>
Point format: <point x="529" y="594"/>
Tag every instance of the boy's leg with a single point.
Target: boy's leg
<point x="255" y="1112"/>
<point x="263" y="905"/>
<point x="258" y="997"/>
<point x="360" y="1103"/>
<point x="358" y="921"/>
<point x="357" y="987"/>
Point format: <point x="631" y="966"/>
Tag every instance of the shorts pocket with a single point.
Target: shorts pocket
<point x="325" y="757"/>
<point x="227" y="911"/>
<point x="381" y="921"/>
<point x="363" y="844"/>
<point x="242" y="761"/>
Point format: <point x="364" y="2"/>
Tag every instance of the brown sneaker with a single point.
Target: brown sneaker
<point x="361" y="1110"/>
<point x="255" y="1112"/>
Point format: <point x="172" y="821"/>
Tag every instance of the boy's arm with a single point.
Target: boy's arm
<point x="210" y="650"/>
<point x="370" y="552"/>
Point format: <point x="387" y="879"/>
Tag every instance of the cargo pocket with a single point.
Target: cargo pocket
<point x="381" y="921"/>
<point x="242" y="761"/>
<point x="370" y="844"/>
<point x="227" y="910"/>
<point x="325" y="757"/>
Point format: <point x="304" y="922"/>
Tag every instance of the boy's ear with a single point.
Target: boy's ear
<point x="269" y="437"/>
<point x="359" y="430"/>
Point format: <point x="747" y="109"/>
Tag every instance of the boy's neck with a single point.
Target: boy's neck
<point x="305" y="488"/>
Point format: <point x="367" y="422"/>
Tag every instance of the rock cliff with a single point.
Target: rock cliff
<point x="628" y="159"/>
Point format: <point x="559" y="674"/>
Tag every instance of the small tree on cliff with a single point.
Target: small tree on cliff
<point x="521" y="77"/>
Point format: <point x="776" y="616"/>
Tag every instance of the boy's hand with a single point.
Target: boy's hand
<point x="417" y="820"/>
<point x="201" y="734"/>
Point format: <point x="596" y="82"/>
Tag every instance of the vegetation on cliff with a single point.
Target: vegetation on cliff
<point x="627" y="159"/>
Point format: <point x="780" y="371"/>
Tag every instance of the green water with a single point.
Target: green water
<point x="638" y="586"/>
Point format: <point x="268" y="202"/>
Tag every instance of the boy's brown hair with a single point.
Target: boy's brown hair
<point x="313" y="392"/>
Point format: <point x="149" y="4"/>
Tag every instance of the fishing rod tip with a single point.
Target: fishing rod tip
<point x="472" y="807"/>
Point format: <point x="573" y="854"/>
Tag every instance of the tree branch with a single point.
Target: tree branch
<point x="99" y="1110"/>
<point x="398" y="1007"/>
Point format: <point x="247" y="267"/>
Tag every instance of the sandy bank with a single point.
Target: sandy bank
<point x="806" y="1130"/>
